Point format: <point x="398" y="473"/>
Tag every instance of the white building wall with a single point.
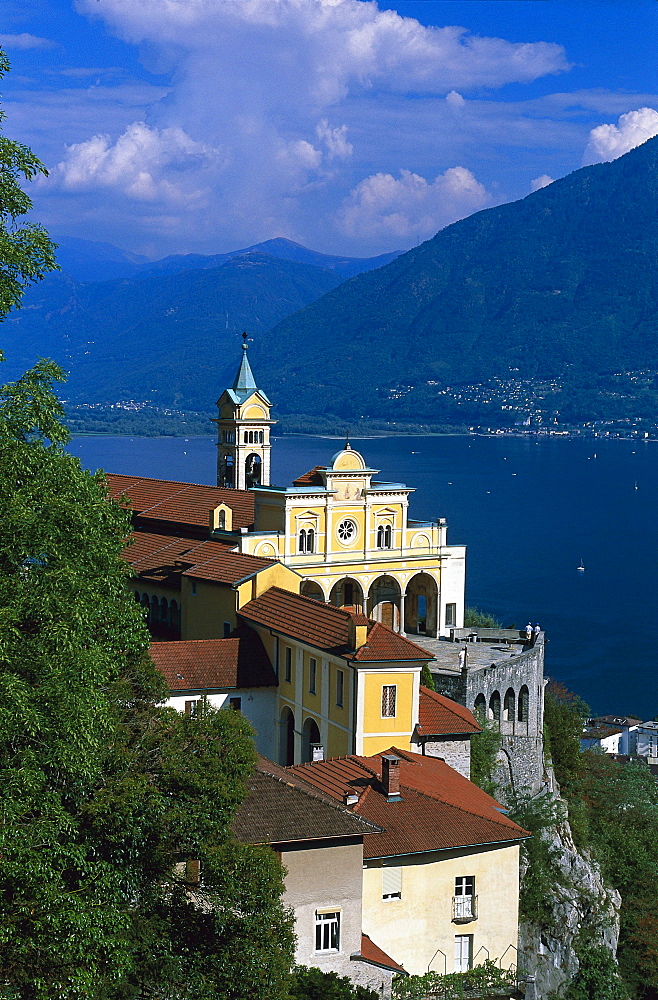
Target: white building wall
<point x="258" y="705"/>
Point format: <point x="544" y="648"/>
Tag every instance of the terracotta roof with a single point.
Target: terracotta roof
<point x="211" y="664"/>
<point x="372" y="953"/>
<point x="385" y="644"/>
<point x="326" y="627"/>
<point x="312" y="478"/>
<point x="163" y="559"/>
<point x="180" y="503"/>
<point x="282" y="808"/>
<point x="440" y="716"/>
<point x="439" y="808"/>
<point x="300" y="618"/>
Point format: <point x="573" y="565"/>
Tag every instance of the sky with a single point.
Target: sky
<point x="353" y="127"/>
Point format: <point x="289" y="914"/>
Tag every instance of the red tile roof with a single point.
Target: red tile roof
<point x="163" y="559"/>
<point x="385" y="644"/>
<point x="370" y="952"/>
<point x="439" y="808"/>
<point x="312" y="478"/>
<point x="439" y="716"/>
<point x="327" y="627"/>
<point x="281" y="808"/>
<point x="214" y="664"/>
<point x="180" y="503"/>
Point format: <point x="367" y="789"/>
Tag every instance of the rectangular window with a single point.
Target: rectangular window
<point x="391" y="883"/>
<point x="464" y="901"/>
<point x="451" y="614"/>
<point x="349" y="593"/>
<point x="192" y="708"/>
<point x="327" y="931"/>
<point x="193" y="588"/>
<point x="340" y="688"/>
<point x="389" y="692"/>
<point x="463" y="952"/>
<point x="312" y="674"/>
<point x="288" y="674"/>
<point x="227" y="629"/>
<point x="235" y="704"/>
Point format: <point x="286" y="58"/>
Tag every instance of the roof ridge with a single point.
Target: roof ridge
<point x="460" y="808"/>
<point x="311" y="600"/>
<point x="316" y="793"/>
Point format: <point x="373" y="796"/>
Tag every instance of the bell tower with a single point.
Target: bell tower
<point x="243" y="431"/>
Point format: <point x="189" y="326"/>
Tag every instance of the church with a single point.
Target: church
<point x="299" y="605"/>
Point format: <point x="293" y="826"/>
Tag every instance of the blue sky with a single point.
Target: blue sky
<point x="355" y="127"/>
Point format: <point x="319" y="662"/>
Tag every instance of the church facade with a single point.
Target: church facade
<point x="347" y="534"/>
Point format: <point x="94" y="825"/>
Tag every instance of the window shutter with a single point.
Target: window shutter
<point x="391" y="883"/>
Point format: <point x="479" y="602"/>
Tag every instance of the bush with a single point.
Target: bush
<point x="314" y="984"/>
<point x="598" y="977"/>
<point x="543" y="876"/>
<point x="484" y="750"/>
<point x="474" y="618"/>
<point x="485" y="980"/>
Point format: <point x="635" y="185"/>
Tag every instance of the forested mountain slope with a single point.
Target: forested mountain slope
<point x="563" y="282"/>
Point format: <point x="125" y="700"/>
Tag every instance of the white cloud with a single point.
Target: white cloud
<point x="607" y="142"/>
<point x="335" y="139"/>
<point x="541" y="182"/>
<point x="144" y="163"/>
<point x="455" y="100"/>
<point x="25" y="41"/>
<point x="390" y="210"/>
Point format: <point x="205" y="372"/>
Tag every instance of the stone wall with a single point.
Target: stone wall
<point x="455" y="752"/>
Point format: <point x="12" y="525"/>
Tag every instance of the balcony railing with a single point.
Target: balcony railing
<point x="464" y="909"/>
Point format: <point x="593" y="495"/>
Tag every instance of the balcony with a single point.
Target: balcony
<point x="464" y="909"/>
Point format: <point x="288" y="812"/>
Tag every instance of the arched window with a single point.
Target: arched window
<point x="287" y="738"/>
<point x="494" y="706"/>
<point x="524" y="704"/>
<point x="146" y="604"/>
<point x="221" y="520"/>
<point x="481" y="707"/>
<point x="137" y="597"/>
<point x="310" y="540"/>
<point x="164" y="610"/>
<point x="508" y="706"/>
<point x="302" y="540"/>
<point x="252" y="468"/>
<point x="384" y="536"/>
<point x="260" y="437"/>
<point x="174" y="616"/>
<point x="246" y="437"/>
<point x="155" y="610"/>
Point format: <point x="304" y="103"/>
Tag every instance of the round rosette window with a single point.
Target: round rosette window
<point x="346" y="531"/>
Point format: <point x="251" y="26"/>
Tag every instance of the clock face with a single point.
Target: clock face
<point x="346" y="531"/>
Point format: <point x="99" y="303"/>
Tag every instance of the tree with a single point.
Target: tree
<point x="106" y="793"/>
<point x="26" y="252"/>
<point x="564" y="714"/>
<point x="313" y="984"/>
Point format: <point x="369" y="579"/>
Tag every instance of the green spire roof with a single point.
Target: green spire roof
<point x="244" y="380"/>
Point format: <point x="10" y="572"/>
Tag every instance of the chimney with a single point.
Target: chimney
<point x="391" y="777"/>
<point x="350" y="797"/>
<point x="357" y="631"/>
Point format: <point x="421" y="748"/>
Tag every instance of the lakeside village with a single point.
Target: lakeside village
<point x="512" y="406"/>
<point x="317" y="611"/>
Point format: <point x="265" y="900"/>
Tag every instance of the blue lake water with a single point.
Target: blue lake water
<point x="528" y="511"/>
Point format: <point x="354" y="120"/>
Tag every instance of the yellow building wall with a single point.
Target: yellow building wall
<point x="387" y="730"/>
<point x="413" y="929"/>
<point x="203" y="615"/>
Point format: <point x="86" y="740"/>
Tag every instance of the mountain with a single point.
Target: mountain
<point x="172" y="338"/>
<point x="284" y="249"/>
<point x="88" y="260"/>
<point x="563" y="282"/>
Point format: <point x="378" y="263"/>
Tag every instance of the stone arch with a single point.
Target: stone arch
<point x="138" y="597"/>
<point x="174" y="617"/>
<point x="310" y="738"/>
<point x="164" y="611"/>
<point x="287" y="737"/>
<point x="384" y="601"/>
<point x="155" y="611"/>
<point x="480" y="707"/>
<point x="421" y="602"/>
<point x="347" y="593"/>
<point x="524" y="704"/>
<point x="313" y="590"/>
<point x="509" y="705"/>
<point x="253" y="470"/>
<point x="494" y="706"/>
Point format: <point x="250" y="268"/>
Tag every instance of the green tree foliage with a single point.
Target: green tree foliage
<point x="474" y="618"/>
<point x="26" y="251"/>
<point x="313" y="984"/>
<point x="486" y="980"/>
<point x="484" y="751"/>
<point x="564" y="714"/>
<point x="622" y="802"/>
<point x="598" y="976"/>
<point x="542" y="878"/>
<point x="426" y="678"/>
<point x="106" y="793"/>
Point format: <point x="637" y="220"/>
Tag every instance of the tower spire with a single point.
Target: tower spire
<point x="244" y="380"/>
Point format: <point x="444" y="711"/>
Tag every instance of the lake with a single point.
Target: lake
<point x="528" y="510"/>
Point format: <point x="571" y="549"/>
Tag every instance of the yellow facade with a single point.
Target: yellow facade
<point x="418" y="928"/>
